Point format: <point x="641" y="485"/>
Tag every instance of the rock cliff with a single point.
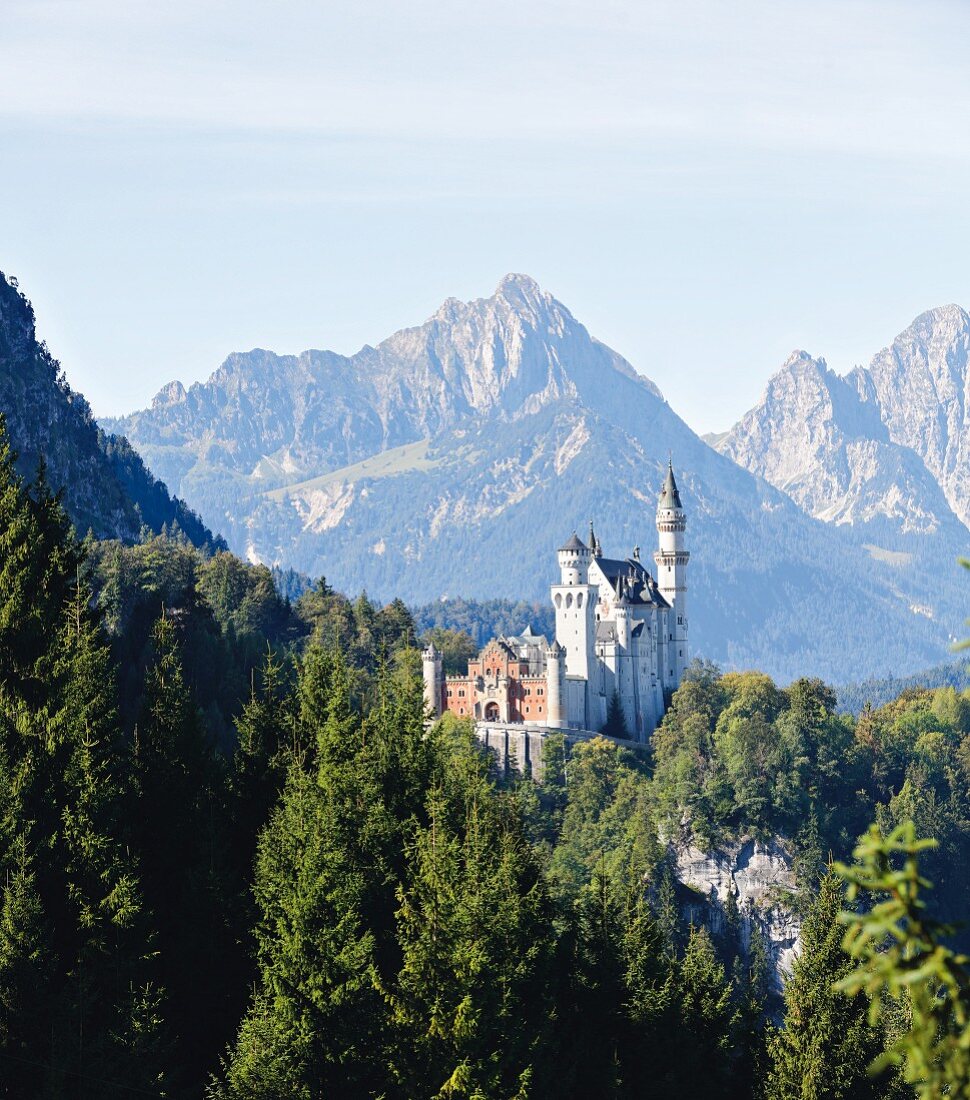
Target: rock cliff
<point x="760" y="877"/>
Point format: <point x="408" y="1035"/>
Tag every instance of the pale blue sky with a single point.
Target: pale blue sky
<point x="706" y="185"/>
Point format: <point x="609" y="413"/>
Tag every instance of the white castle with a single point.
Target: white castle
<point x="620" y="644"/>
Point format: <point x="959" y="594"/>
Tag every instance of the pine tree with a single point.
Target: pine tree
<point x="615" y="725"/>
<point x="311" y="1028"/>
<point x="179" y="829"/>
<point x="751" y="981"/>
<point x="476" y="944"/>
<point x="597" y="991"/>
<point x="38" y="564"/>
<point x="77" y="938"/>
<point x="265" y="742"/>
<point x="826" y="1044"/>
<point x="648" y="998"/>
<point x="25" y="973"/>
<point x="108" y="1013"/>
<point x="698" y="1057"/>
<point x="667" y="912"/>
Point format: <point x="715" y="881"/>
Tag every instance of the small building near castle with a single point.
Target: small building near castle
<point x="620" y="645"/>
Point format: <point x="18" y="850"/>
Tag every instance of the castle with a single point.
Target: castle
<point x="620" y="645"/>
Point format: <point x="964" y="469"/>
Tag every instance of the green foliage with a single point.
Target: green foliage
<point x="615" y="725"/>
<point x="903" y="954"/>
<point x="826" y="1043"/>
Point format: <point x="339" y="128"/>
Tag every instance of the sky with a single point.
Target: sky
<point x="706" y="186"/>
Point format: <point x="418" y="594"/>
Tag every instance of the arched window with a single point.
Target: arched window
<point x="558" y="600"/>
<point x="569" y="599"/>
<point x="579" y="599"/>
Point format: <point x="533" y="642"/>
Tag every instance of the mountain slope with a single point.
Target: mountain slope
<point x="106" y="487"/>
<point x="455" y="456"/>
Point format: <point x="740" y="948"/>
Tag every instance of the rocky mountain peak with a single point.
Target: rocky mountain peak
<point x="921" y="385"/>
<point x="863" y="448"/>
<point x="522" y="291"/>
<point x="171" y="394"/>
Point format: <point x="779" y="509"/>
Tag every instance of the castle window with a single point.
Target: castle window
<point x="558" y="600"/>
<point x="579" y="599"/>
<point x="569" y="599"/>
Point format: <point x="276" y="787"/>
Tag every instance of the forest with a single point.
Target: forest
<point x="237" y="862"/>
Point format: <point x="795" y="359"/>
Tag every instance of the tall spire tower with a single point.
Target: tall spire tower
<point x="671" y="559"/>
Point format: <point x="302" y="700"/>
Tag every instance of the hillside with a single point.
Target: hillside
<point x="452" y="458"/>
<point x="107" y="488"/>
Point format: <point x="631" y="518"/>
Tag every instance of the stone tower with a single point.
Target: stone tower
<point x="432" y="668"/>
<point x="671" y="559"/>
<point x="574" y="599"/>
<point x="555" y="686"/>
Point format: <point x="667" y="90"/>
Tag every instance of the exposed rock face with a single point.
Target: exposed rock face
<point x="453" y="457"/>
<point x="820" y="439"/>
<point x="921" y="387"/>
<point x="888" y="442"/>
<point x="760" y="877"/>
<point x="502" y="357"/>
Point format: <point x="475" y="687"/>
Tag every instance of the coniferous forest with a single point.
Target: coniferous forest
<point x="236" y="862"/>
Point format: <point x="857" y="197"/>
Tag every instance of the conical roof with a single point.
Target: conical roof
<point x="574" y="543"/>
<point x="670" y="495"/>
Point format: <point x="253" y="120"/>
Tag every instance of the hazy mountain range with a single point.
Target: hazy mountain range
<point x="454" y="457"/>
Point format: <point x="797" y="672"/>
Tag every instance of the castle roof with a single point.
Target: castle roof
<point x="631" y="581"/>
<point x="574" y="543"/>
<point x="670" y="495"/>
<point x="527" y="638"/>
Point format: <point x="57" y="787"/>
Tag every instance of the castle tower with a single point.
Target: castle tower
<point x="574" y="599"/>
<point x="432" y="668"/>
<point x="671" y="559"/>
<point x="555" y="686"/>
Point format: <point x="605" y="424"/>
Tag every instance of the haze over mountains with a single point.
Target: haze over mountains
<point x="454" y="457"/>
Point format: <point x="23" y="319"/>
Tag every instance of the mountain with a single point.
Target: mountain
<point x="105" y="484"/>
<point x="818" y="439"/>
<point x="921" y="387"/>
<point x="454" y="457"/>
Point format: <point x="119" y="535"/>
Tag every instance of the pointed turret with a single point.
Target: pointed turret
<point x="669" y="494"/>
<point x="671" y="559"/>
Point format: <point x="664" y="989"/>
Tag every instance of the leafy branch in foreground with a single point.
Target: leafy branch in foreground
<point x="901" y="953"/>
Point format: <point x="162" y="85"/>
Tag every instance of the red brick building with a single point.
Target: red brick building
<point x="506" y="682"/>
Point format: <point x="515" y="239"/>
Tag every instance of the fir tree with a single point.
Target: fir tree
<point x="699" y="1050"/>
<point x="178" y="814"/>
<point x="826" y="1044"/>
<point x="615" y="725"/>
<point x="265" y="742"/>
<point x="475" y="937"/>
<point x="310" y="1030"/>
